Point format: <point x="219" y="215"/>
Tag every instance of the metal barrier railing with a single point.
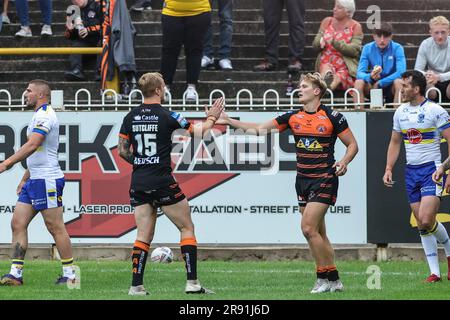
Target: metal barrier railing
<point x="111" y="99"/>
<point x="106" y="93"/>
<point x="197" y="99"/>
<point x="212" y="94"/>
<point x="7" y="94"/>
<point x="250" y="96"/>
<point x="88" y="95"/>
<point x="277" y="96"/>
<point x="437" y="90"/>
<point x="130" y="97"/>
<point x="347" y="92"/>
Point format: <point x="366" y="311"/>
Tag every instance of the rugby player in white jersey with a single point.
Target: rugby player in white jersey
<point x="41" y="187"/>
<point x="420" y="123"/>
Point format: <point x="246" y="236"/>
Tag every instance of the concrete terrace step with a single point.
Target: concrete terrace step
<point x="205" y="75"/>
<point x="149" y="64"/>
<point x="250" y="51"/>
<point x="180" y="76"/>
<point x="251" y="4"/>
<point x="253" y="27"/>
<point x="239" y="39"/>
<point x="255" y="14"/>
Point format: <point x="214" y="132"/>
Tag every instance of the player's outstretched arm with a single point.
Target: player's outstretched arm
<point x="125" y="153"/>
<point x="34" y="141"/>
<point x="249" y="127"/>
<point x="392" y="156"/>
<point x="212" y="114"/>
<point x="348" y="139"/>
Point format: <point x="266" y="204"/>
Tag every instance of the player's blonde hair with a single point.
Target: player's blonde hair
<point x="439" y="20"/>
<point x="317" y="81"/>
<point x="149" y="82"/>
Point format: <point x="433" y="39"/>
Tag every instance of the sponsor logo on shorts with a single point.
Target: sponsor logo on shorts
<point x="428" y="189"/>
<point x="38" y="202"/>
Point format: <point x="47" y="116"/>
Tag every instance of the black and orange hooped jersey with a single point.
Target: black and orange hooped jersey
<point x="315" y="136"/>
<point x="149" y="129"/>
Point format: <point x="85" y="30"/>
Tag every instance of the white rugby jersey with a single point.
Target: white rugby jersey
<point x="43" y="163"/>
<point x="421" y="128"/>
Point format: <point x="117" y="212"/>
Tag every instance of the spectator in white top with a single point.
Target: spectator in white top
<point x="433" y="58"/>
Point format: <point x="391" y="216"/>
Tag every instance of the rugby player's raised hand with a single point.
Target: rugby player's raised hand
<point x="216" y="109"/>
<point x="224" y="119"/>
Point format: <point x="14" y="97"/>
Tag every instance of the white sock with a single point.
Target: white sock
<point x="441" y="236"/>
<point x="69" y="272"/>
<point x="16" y="268"/>
<point x="429" y="245"/>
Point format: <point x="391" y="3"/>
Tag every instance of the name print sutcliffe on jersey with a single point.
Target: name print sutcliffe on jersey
<point x="145" y="128"/>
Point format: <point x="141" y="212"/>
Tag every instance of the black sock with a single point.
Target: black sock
<point x="139" y="258"/>
<point x="333" y="274"/>
<point x="321" y="273"/>
<point x="189" y="252"/>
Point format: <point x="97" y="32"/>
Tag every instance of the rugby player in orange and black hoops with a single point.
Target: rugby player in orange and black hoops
<point x="315" y="128"/>
<point x="145" y="142"/>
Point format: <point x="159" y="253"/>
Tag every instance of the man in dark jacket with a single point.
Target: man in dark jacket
<point x="84" y="28"/>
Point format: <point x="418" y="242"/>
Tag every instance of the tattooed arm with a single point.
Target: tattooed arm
<point x="446" y="164"/>
<point x="125" y="151"/>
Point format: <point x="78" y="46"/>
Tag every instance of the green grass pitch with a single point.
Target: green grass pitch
<point x="284" y="280"/>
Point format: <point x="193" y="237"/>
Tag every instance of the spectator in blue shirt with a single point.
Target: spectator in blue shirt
<point x="380" y="67"/>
